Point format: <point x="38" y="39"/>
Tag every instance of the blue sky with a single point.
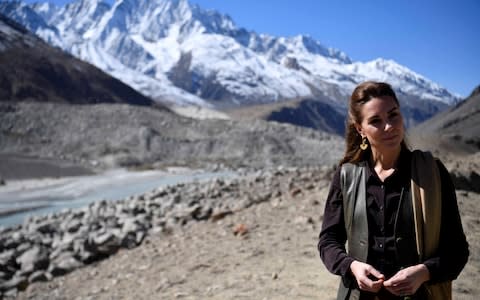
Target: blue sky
<point x="435" y="38"/>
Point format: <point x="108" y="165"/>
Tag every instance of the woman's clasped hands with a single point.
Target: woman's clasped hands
<point x="404" y="282"/>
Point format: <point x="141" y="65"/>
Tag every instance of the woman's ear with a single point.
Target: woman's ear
<point x="358" y="127"/>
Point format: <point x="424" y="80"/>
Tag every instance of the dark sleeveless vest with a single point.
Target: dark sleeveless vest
<point x="353" y="184"/>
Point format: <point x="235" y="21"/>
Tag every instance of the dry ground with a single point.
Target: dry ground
<point x="274" y="258"/>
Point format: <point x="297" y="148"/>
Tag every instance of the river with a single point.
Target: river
<point x="19" y="199"/>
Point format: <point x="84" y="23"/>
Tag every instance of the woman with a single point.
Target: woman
<point x="396" y="208"/>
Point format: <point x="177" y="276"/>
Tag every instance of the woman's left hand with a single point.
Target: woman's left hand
<point x="407" y="281"/>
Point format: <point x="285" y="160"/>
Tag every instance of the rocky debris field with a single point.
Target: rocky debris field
<point x="463" y="170"/>
<point x="47" y="246"/>
<point x="253" y="237"/>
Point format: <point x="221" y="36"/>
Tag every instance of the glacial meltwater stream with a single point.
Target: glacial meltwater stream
<point x="42" y="196"/>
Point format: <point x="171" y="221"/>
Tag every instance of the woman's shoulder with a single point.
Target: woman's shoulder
<point x="421" y="156"/>
<point x="427" y="155"/>
<point x="421" y="153"/>
<point x="360" y="163"/>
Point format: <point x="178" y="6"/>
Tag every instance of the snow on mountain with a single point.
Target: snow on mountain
<point x="31" y="19"/>
<point x="173" y="51"/>
<point x="45" y="10"/>
<point x="406" y="80"/>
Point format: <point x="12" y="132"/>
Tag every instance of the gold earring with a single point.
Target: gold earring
<point x="364" y="144"/>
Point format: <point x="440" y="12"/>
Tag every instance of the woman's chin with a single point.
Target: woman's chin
<point x="389" y="147"/>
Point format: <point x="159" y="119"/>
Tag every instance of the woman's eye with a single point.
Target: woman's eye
<point x="393" y="115"/>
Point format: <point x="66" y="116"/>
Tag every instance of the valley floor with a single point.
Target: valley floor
<point x="265" y="251"/>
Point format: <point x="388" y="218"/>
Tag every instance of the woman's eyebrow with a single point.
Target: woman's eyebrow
<point x="377" y="116"/>
<point x="393" y="109"/>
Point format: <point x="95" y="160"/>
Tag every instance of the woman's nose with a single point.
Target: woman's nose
<point x="388" y="126"/>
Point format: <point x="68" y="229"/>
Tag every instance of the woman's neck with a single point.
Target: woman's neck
<point x="385" y="160"/>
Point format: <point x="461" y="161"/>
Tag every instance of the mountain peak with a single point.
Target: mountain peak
<point x="314" y="46"/>
<point x="386" y="64"/>
<point x="406" y="80"/>
<point x="475" y="92"/>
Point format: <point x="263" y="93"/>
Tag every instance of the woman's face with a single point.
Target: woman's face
<point x="382" y="123"/>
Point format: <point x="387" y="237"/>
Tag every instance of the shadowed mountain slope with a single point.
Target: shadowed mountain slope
<point x="455" y="130"/>
<point x="31" y="70"/>
<point x="312" y="114"/>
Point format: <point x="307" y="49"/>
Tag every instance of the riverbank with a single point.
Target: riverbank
<point x="15" y="167"/>
<point x="21" y="198"/>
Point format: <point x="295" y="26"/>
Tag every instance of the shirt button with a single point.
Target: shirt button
<point x="382" y="186"/>
<point x="381" y="245"/>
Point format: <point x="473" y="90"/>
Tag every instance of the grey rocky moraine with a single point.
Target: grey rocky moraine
<point x="52" y="245"/>
<point x="114" y="135"/>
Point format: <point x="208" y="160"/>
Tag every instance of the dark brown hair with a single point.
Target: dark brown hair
<point x="363" y="93"/>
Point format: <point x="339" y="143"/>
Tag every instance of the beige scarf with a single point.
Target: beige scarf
<point x="427" y="208"/>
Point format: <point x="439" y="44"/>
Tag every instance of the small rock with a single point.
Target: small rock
<point x="19" y="283"/>
<point x="40" y="276"/>
<point x="180" y="295"/>
<point x="303" y="220"/>
<point x="295" y="192"/>
<point x="240" y="230"/>
<point x="218" y="215"/>
<point x="64" y="263"/>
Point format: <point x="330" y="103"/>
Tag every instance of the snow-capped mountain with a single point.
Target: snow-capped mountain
<point x="178" y="52"/>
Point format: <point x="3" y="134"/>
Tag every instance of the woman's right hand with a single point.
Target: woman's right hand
<point x="368" y="278"/>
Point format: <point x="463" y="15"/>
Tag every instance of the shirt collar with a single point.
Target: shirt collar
<point x="402" y="170"/>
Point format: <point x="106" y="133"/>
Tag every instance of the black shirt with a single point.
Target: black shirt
<point x="382" y="203"/>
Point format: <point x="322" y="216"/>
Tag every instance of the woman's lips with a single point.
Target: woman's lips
<point x="390" y="138"/>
